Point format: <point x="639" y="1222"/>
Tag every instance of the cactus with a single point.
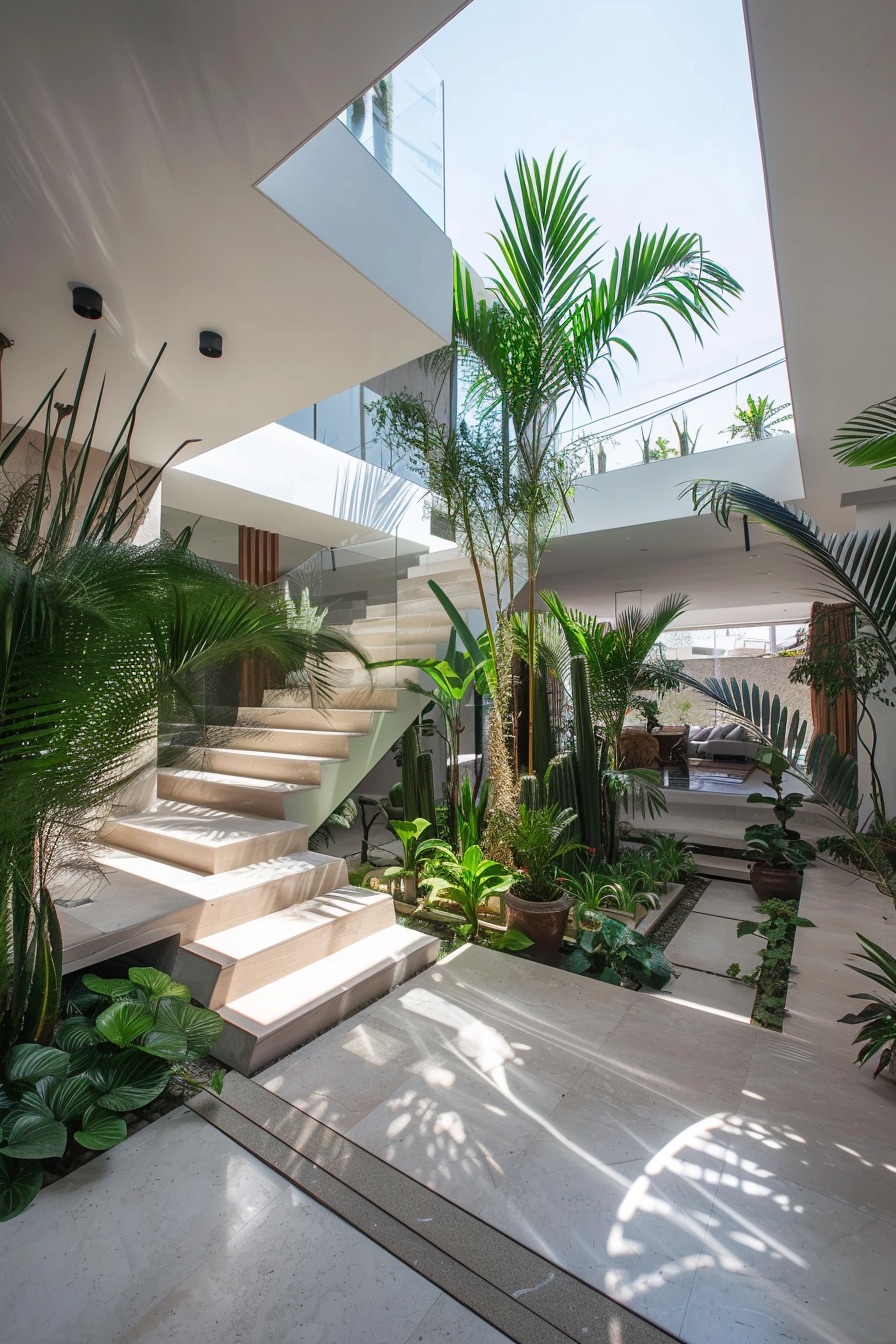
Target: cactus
<point x="426" y="792"/>
<point x="543" y="749"/>
<point x="560" y="783"/>
<point x="530" y="792"/>
<point x="410" y="751"/>
<point x="586" y="756"/>
<point x="561" y="790"/>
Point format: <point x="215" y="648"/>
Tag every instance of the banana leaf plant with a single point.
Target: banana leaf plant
<point x="469" y="881"/>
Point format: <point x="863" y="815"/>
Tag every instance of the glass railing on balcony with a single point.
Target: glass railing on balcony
<point x="400" y="121"/>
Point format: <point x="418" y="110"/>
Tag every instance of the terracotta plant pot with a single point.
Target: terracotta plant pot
<point x="542" y="921"/>
<point x="775" y="884"/>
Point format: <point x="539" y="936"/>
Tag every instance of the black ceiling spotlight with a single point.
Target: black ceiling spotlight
<point x="211" y="344"/>
<point x="87" y="302"/>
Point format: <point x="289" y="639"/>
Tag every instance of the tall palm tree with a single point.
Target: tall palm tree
<point x="621" y="659"/>
<point x="551" y="330"/>
<point x="759" y="418"/>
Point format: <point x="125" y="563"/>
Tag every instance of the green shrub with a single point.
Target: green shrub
<point x="613" y="952"/>
<point x="115" y="1051"/>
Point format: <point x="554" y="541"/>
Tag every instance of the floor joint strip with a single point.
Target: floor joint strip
<point x="516" y="1290"/>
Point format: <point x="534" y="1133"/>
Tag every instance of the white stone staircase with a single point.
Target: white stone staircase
<point x="264" y="931"/>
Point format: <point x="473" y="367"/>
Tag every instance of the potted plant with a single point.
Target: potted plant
<point x="537" y="903"/>
<point x="777" y="862"/>
<point x="778" y="857"/>
<point x="650" y="711"/>
<point x="877" y="1020"/>
<point x="409" y="833"/>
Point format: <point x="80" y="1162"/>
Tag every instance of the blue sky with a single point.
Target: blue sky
<point x="654" y="97"/>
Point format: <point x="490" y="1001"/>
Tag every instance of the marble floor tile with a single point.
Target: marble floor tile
<point x="819" y="1090"/>
<point x="298" y="1275"/>
<point x="450" y="1323"/>
<point x="635" y="1230"/>
<point x="346" y="1073"/>
<point x="710" y="943"/>
<point x="122" y="1232"/>
<point x="846" y="1166"/>
<point x="458" y="1135"/>
<point x="711" y="991"/>
<point x="733" y="900"/>
<point x="688" y="1055"/>
<point x="795" y="1267"/>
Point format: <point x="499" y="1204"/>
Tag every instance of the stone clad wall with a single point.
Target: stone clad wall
<point x="769" y="673"/>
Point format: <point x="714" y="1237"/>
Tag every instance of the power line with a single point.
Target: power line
<point x="676" y="405"/>
<point x="719" y="373"/>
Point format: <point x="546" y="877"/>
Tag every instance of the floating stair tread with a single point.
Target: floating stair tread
<point x="206" y="838"/>
<point x="204" y="825"/>
<point x="348" y="722"/>
<point x="266" y="1011"/>
<point x="325" y="744"/>
<point x="233" y="945"/>
<point x="244" y="781"/>
<point x="205" y="886"/>
<point x="364" y="697"/>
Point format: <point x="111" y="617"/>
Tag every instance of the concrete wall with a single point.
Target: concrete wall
<point x="655" y="492"/>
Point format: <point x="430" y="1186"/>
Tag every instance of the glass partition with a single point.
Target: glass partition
<point x="400" y="121"/>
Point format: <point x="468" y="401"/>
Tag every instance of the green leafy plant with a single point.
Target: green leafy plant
<point x="777" y="929"/>
<point x="116" y="1051"/>
<point x="673" y="858"/>
<point x="775" y="848"/>
<point x="649" y="709"/>
<point x="611" y="951"/>
<point x="469" y="881"/>
<point x="472" y="814"/>
<point x="784" y="805"/>
<point x="759" y="418"/>
<point x="539" y="839"/>
<point x="627" y="899"/>
<point x="342" y="818"/>
<point x="409" y="833"/>
<point x="877" y="1020"/>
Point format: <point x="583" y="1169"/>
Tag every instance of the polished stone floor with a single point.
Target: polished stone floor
<point x="730" y="1184"/>
<point x="181" y="1235"/>
<point x="726" y="1182"/>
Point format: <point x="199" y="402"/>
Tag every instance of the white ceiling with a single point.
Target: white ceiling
<point x="826" y="99"/>
<point x="130" y="139"/>
<point x="697" y="556"/>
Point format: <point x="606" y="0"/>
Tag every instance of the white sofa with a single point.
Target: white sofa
<point x="724" y="742"/>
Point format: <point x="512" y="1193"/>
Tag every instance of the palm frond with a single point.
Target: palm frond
<point x="831" y="774"/>
<point x="857" y="567"/>
<point x="869" y="438"/>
